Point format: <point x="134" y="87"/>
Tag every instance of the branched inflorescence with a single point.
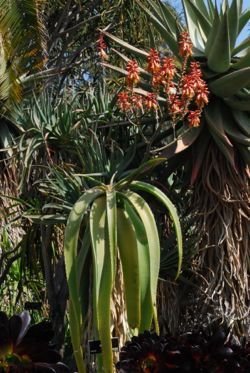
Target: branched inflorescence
<point x="183" y="90"/>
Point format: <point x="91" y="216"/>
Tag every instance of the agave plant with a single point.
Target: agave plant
<point x="217" y="156"/>
<point x="118" y="224"/>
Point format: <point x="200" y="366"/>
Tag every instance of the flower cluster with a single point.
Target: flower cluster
<point x="131" y="101"/>
<point x="25" y="348"/>
<point x="154" y="62"/>
<point x="133" y="73"/>
<point x="193" y="352"/>
<point x="102" y="47"/>
<point x="184" y="90"/>
<point x="185" y="45"/>
<point x="163" y="71"/>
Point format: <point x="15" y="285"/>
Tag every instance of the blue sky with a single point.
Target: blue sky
<point x="246" y="5"/>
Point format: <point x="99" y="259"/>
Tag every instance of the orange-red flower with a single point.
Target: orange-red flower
<point x="171" y="90"/>
<point x="195" y="69"/>
<point x="133" y="73"/>
<point x="176" y="106"/>
<point x="154" y="62"/>
<point x="150" y="101"/>
<point x="188" y="89"/>
<point x="194" y="87"/>
<point x="157" y="79"/>
<point x="136" y="101"/>
<point x="199" y="85"/>
<point x="194" y="118"/>
<point x="168" y="68"/>
<point x="201" y="98"/>
<point x="102" y="47"/>
<point x="123" y="101"/>
<point x="196" y="76"/>
<point x="185" y="45"/>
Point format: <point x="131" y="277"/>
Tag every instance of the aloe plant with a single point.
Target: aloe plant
<point x="117" y="222"/>
<point x="216" y="159"/>
<point x="225" y="66"/>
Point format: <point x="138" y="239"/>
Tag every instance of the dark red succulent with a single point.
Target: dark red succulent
<point x="192" y="352"/>
<point x="25" y="348"/>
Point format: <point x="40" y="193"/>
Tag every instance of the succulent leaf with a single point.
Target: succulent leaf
<point x="144" y="267"/>
<point x="146" y="215"/>
<point x="231" y="127"/>
<point x="197" y="14"/>
<point x="231" y="83"/>
<point x="211" y="8"/>
<point x="83" y="271"/>
<point x="241" y="48"/>
<point x="104" y="304"/>
<point x="167" y="16"/>
<point x="111" y="209"/>
<point x="183" y="141"/>
<point x="219" y="56"/>
<point x="128" y="250"/>
<point x="160" y="196"/>
<point x="213" y="31"/>
<point x="97" y="233"/>
<point x="244" y="19"/>
<point x="235" y="134"/>
<point x="126" y="45"/>
<point x="233" y="19"/>
<point x="245" y="153"/>
<point x="70" y="254"/>
<point x="163" y="28"/>
<point x="214" y="119"/>
<point x="243" y="61"/>
<point x="215" y="122"/>
<point x="142" y="169"/>
<point x="238" y="103"/>
<point x="243" y="121"/>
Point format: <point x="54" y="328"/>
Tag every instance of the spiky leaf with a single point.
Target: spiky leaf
<point x="160" y="196"/>
<point x="219" y="54"/>
<point x="231" y="83"/>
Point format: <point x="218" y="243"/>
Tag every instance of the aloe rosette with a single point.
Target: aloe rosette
<point x="119" y="222"/>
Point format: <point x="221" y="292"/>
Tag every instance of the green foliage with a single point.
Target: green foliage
<point x="63" y="148"/>
<point x="22" y="48"/>
<point x="20" y="282"/>
<point x="119" y="219"/>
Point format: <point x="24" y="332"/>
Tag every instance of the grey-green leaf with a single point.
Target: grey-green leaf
<point x="219" y="55"/>
<point x="158" y="194"/>
<point x="231" y="83"/>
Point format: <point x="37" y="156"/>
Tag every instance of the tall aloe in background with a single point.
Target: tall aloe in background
<point x="117" y="224"/>
<point x="217" y="157"/>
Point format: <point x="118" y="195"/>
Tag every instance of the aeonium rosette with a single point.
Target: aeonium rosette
<point x="182" y="90"/>
<point x="198" y="351"/>
<point x="25" y="348"/>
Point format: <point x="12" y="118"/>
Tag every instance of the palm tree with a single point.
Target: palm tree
<point x="23" y="44"/>
<point x="215" y="156"/>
